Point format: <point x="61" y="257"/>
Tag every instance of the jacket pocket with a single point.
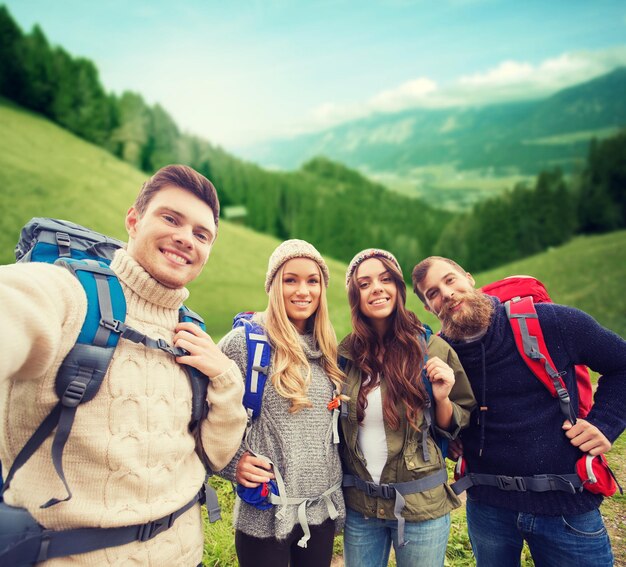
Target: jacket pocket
<point x="415" y="462"/>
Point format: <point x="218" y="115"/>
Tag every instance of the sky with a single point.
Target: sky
<point x="241" y="72"/>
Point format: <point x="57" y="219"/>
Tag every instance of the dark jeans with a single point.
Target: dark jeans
<point x="497" y="536"/>
<point x="271" y="552"/>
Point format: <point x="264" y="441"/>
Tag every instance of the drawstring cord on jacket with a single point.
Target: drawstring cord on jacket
<point x="482" y="416"/>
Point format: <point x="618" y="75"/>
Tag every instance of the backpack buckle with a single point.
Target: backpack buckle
<point x="114" y="326"/>
<point x="64" y="243"/>
<point x="154" y="528"/>
<point x="380" y="490"/>
<point x="511" y="483"/>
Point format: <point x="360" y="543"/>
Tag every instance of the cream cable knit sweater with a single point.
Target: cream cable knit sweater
<point x="129" y="458"/>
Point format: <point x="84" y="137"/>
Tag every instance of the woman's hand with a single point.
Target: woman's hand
<point x="252" y="471"/>
<point x="204" y="354"/>
<point x="441" y="377"/>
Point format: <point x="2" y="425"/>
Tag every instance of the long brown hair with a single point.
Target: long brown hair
<point x="403" y="357"/>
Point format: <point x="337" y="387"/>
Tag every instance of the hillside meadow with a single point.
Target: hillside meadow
<point x="45" y="171"/>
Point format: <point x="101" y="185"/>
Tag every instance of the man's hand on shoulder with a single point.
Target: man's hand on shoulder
<point x="587" y="437"/>
<point x="204" y="354"/>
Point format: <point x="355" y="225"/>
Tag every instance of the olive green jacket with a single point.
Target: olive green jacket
<point x="405" y="460"/>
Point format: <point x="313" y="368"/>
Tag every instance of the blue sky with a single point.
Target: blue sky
<point x="240" y="72"/>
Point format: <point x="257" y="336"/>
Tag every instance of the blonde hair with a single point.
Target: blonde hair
<point x="291" y="373"/>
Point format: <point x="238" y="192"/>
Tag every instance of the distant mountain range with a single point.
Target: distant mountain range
<point x="505" y="139"/>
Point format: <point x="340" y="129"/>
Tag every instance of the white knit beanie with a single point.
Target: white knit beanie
<point x="366" y="255"/>
<point x="288" y="250"/>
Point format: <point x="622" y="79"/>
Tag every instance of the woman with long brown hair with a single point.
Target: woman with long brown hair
<point x="395" y="480"/>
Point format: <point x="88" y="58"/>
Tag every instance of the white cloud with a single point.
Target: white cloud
<point x="552" y="74"/>
<point x="506" y="73"/>
<point x="406" y="95"/>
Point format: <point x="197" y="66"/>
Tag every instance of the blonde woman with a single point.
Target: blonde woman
<point x="292" y="444"/>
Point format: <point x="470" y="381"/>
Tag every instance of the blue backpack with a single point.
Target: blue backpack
<point x="259" y="356"/>
<point x="87" y="254"/>
<point x="442" y="442"/>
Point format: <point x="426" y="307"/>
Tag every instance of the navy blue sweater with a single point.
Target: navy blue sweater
<point x="523" y="434"/>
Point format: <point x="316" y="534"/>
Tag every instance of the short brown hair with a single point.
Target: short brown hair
<point x="179" y="176"/>
<point x="421" y="269"/>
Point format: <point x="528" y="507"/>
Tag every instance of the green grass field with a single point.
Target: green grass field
<point x="45" y="171"/>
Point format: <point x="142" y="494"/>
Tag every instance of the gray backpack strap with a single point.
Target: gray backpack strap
<point x="570" y="483"/>
<point x="33" y="543"/>
<point x="397" y="491"/>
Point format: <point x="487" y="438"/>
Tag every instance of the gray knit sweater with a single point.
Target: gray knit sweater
<point x="299" y="444"/>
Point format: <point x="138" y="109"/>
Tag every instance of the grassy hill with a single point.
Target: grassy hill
<point x="46" y="171"/>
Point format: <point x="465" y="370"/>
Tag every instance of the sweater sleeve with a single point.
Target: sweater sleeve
<point x="233" y="345"/>
<point x="588" y="343"/>
<point x="461" y="395"/>
<point x="223" y="429"/>
<point x="42" y="310"/>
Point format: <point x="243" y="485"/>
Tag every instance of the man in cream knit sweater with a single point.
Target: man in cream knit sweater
<point x="130" y="458"/>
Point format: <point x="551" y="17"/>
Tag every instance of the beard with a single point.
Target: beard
<point x="471" y="320"/>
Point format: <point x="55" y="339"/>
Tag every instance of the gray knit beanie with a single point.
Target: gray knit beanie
<point x="366" y="255"/>
<point x="294" y="248"/>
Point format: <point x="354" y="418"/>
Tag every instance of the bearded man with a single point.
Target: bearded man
<point x="518" y="449"/>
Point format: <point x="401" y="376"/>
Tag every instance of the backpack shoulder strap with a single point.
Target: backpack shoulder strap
<point x="429" y="387"/>
<point x="533" y="350"/>
<point x="430" y="413"/>
<point x="81" y="374"/>
<point x="259" y="355"/>
<point x="199" y="382"/>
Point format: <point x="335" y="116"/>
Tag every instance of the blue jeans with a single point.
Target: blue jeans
<point x="367" y="541"/>
<point x="497" y="536"/>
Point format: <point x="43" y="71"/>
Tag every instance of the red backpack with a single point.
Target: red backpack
<point x="519" y="295"/>
<point x="529" y="287"/>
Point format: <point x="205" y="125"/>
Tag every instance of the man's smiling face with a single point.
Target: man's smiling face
<point x="172" y="239"/>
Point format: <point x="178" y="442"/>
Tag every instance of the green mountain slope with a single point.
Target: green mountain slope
<point x="45" y="171"/>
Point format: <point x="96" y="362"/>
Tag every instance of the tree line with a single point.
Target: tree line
<point x="324" y="202"/>
<point x="528" y="220"/>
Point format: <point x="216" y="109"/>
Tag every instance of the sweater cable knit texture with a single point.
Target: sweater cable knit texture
<point x="129" y="458"/>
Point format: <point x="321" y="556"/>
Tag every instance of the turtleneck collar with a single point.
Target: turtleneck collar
<point x="135" y="277"/>
<point x="309" y="346"/>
